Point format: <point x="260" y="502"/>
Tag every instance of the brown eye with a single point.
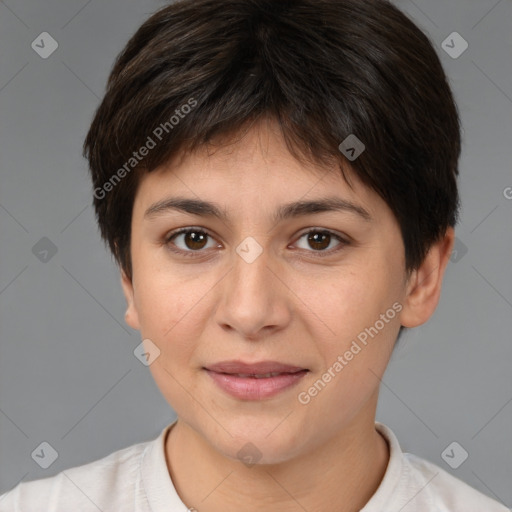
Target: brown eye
<point x="195" y="240"/>
<point x="318" y="241"/>
<point x="188" y="240"/>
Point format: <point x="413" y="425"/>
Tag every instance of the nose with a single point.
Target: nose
<point x="255" y="300"/>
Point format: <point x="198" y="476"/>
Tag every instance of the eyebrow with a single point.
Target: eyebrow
<point x="286" y="211"/>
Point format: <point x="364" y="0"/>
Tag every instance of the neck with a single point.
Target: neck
<point x="346" y="470"/>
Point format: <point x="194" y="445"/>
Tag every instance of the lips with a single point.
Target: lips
<point x="255" y="381"/>
<point x="258" y="370"/>
<point x="257" y="375"/>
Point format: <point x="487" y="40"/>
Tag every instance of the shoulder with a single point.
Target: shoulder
<point x="414" y="484"/>
<point x="447" y="492"/>
<point x="98" y="485"/>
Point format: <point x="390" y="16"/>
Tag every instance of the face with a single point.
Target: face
<point x="304" y="289"/>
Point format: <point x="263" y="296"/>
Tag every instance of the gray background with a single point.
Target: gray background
<point x="68" y="375"/>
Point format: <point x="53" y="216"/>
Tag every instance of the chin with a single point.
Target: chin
<point x="260" y="442"/>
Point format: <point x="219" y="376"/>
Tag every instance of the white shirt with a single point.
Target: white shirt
<point x="136" y="479"/>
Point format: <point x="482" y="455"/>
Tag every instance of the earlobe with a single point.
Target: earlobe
<point x="424" y="284"/>
<point x="131" y="315"/>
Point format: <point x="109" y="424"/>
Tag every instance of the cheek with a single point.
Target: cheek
<point x="169" y="316"/>
<point x="342" y="304"/>
<point x="353" y="344"/>
<point x="353" y="317"/>
<point x="162" y="307"/>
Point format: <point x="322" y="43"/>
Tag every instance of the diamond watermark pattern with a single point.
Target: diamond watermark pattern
<point x="454" y="455"/>
<point x="45" y="455"/>
<point x="454" y="45"/>
<point x="44" y="45"/>
<point x="249" y="250"/>
<point x="352" y="147"/>
<point x="459" y="251"/>
<point x="44" y="250"/>
<point x="249" y="454"/>
<point x="146" y="352"/>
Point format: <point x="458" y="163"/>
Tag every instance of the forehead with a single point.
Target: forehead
<point x="253" y="166"/>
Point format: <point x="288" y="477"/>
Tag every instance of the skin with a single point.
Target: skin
<point x="289" y="305"/>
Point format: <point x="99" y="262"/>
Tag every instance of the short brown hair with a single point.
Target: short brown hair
<point x="323" y="69"/>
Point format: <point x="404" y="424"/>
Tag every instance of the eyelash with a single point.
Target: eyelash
<point x="190" y="253"/>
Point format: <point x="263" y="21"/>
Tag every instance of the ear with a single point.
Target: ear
<point x="131" y="315"/>
<point x="424" y="283"/>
